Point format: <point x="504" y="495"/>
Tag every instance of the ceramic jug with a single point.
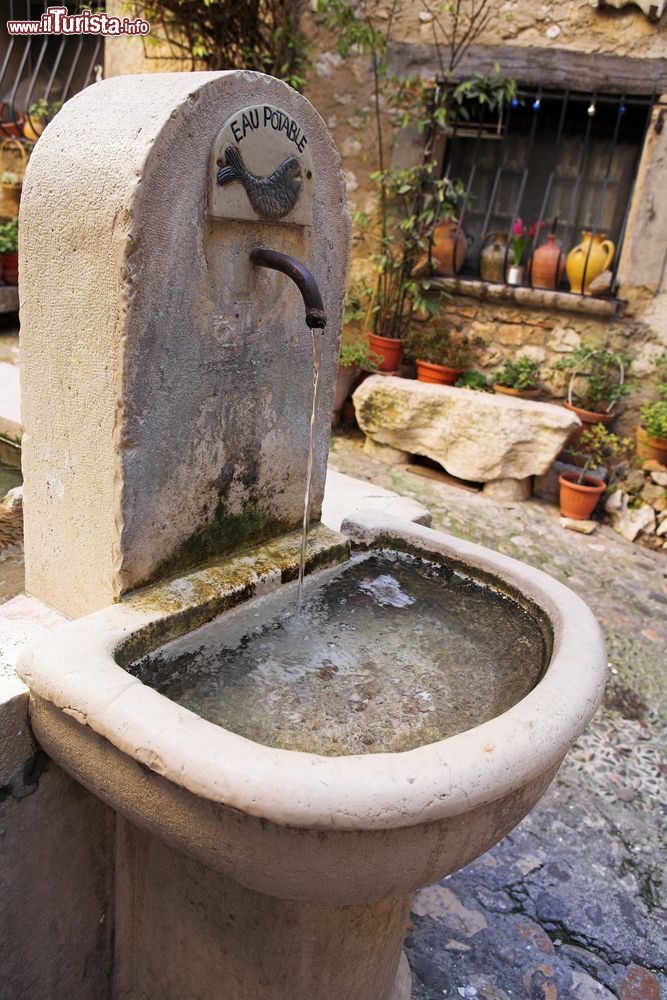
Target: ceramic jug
<point x="548" y="265"/>
<point x="495" y="256"/>
<point x="449" y="249"/>
<point x="593" y="256"/>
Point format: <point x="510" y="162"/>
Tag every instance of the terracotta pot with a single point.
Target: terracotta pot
<point x="522" y="393"/>
<point x="438" y="374"/>
<point x="548" y="265"/>
<point x="495" y="257"/>
<point x="388" y="349"/>
<point x="650" y="447"/>
<point x="588" y="260"/>
<point x="449" y="250"/>
<point x="588" y="418"/>
<point x="10" y="268"/>
<point x="345" y="379"/>
<point x="578" y="501"/>
<point x="10" y="128"/>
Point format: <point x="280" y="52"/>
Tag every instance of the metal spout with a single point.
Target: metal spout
<point x="302" y="278"/>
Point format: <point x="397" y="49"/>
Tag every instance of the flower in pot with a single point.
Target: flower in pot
<point x="598" y="381"/>
<point x="9" y="241"/>
<point x="518" y="378"/>
<point x="38" y="117"/>
<point x="354" y="356"/>
<point x="11" y="185"/>
<point x="440" y="355"/>
<point x="652" y="432"/>
<point x="521" y="237"/>
<point x="580" y="491"/>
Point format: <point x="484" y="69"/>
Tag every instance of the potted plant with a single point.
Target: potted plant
<point x="652" y="432"/>
<point x="518" y="378"/>
<point x="38" y="117"/>
<point x="521" y="237"/>
<point x="11" y="185"/>
<point x="598" y="381"/>
<point x="440" y="355"/>
<point x="9" y="241"/>
<point x="354" y="355"/>
<point x="477" y="381"/>
<point x="580" y="491"/>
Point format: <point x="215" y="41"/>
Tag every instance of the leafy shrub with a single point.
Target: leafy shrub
<point x="520" y="374"/>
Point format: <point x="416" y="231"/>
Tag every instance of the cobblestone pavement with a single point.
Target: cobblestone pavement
<point x="573" y="904"/>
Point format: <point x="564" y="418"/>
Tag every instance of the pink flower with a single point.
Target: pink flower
<point x="534" y="228"/>
<point x="518" y="228"/>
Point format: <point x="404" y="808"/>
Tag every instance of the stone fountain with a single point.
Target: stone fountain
<point x="271" y="827"/>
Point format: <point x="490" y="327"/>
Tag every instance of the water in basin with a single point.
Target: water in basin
<point x="390" y="652"/>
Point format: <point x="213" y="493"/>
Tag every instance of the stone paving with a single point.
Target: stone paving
<point x="573" y="904"/>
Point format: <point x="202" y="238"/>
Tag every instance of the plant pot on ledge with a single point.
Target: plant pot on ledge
<point x="651" y="447"/>
<point x="579" y="500"/>
<point x="437" y="374"/>
<point x="389" y="351"/>
<point x="521" y="393"/>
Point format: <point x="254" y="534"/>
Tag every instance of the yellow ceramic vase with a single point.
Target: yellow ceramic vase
<point x="588" y="260"/>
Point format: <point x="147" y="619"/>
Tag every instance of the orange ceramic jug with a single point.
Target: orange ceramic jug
<point x="593" y="256"/>
<point x="449" y="250"/>
<point x="548" y="265"/>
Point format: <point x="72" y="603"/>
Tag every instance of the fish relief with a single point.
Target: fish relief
<point x="262" y="168"/>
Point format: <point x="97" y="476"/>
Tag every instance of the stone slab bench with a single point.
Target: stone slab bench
<point x="498" y="440"/>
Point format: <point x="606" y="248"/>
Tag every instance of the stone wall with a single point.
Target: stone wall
<point x="340" y="89"/>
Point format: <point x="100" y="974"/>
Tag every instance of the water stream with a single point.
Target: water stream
<point x="309" y="470"/>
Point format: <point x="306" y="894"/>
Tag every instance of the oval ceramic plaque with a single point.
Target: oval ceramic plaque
<point x="262" y="168"/>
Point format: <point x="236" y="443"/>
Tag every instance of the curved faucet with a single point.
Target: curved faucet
<point x="302" y="278"/>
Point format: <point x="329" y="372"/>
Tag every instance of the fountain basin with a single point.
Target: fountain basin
<point x="327" y="836"/>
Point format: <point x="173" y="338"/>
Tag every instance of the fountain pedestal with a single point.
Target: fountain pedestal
<point x="201" y="935"/>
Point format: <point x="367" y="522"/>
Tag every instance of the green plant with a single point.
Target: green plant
<point x="599" y="447"/>
<point x="43" y="111"/>
<point x="442" y="347"/>
<point x="262" y="35"/>
<point x="520" y="374"/>
<point x="654" y="417"/>
<point x="410" y="200"/>
<point x="9" y="236"/>
<point x="10" y="178"/>
<point x="355" y="352"/>
<point x="603" y="371"/>
<point x="473" y="380"/>
<point x="482" y="96"/>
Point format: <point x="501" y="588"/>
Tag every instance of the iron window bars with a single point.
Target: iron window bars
<point x="49" y="68"/>
<point x="566" y="158"/>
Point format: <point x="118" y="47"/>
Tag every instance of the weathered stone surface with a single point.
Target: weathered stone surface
<point x="139" y="309"/>
<point x="583" y="527"/>
<point x="627" y="521"/>
<point x="507" y="490"/>
<point x="473" y="435"/>
<point x="344" y="496"/>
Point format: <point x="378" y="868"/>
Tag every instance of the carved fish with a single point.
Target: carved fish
<point x="272" y="197"/>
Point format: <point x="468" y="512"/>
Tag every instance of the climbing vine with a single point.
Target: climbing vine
<point x="262" y="35"/>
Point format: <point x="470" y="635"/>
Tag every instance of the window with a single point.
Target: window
<point x="569" y="159"/>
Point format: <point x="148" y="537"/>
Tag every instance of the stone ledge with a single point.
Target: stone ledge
<point x="532" y="298"/>
<point x="9" y="298"/>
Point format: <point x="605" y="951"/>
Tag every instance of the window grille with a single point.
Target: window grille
<point x="567" y="159"/>
<point x="50" y="68"/>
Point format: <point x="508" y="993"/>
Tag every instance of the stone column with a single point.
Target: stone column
<point x="166" y="381"/>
